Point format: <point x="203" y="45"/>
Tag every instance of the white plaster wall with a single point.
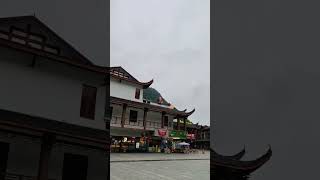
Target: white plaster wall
<point x="116" y="115"/>
<point x="50" y="90"/>
<point x="124" y="90"/>
<point x="97" y="161"/>
<point x="24" y="154"/>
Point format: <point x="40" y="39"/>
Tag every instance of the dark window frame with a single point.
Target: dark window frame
<point x="137" y="94"/>
<point x="88" y="105"/>
<point x="165" y="121"/>
<point x="133" y="116"/>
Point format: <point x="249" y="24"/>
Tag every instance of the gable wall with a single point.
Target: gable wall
<point x="49" y="90"/>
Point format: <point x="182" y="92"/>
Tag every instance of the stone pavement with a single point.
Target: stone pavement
<point x="136" y="157"/>
<point x="161" y="170"/>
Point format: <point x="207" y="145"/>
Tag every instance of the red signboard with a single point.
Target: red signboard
<point x="162" y="132"/>
<point x="190" y="136"/>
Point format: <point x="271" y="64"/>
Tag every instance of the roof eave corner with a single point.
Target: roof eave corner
<point x="145" y="85"/>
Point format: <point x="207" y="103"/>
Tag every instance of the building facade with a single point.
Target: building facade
<point x="197" y="135"/>
<point x="52" y="108"/>
<point x="140" y="117"/>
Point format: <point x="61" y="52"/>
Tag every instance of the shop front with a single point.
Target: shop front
<point x="158" y="140"/>
<point x="129" y="140"/>
<point x="191" y="140"/>
<point x="177" y="136"/>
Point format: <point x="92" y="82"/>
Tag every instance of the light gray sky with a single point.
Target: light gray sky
<point x="169" y="41"/>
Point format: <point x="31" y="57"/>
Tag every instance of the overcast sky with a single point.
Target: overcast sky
<point x="168" y="41"/>
<point x="267" y="74"/>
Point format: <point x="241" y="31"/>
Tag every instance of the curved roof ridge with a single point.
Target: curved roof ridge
<point x="236" y="156"/>
<point x="237" y="165"/>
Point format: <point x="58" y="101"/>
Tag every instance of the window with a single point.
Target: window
<point x="137" y="96"/>
<point x="4" y="35"/>
<point x="19" y="32"/>
<point x="133" y="116"/>
<point x="165" y="121"/>
<point x="36" y="38"/>
<point x="18" y="40"/>
<point x="35" y="45"/>
<point x="51" y="50"/>
<point x="88" y="102"/>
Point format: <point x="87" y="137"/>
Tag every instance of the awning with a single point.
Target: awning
<point x="128" y="132"/>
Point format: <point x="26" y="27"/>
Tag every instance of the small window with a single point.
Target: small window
<point x="18" y="40"/>
<point x="137" y="95"/>
<point x="51" y="50"/>
<point x="36" y="38"/>
<point x="35" y="45"/>
<point x="165" y="121"/>
<point x="3" y="35"/>
<point x="133" y="116"/>
<point x="19" y="33"/>
<point x="88" y="102"/>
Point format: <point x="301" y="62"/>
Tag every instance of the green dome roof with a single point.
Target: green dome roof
<point x="152" y="95"/>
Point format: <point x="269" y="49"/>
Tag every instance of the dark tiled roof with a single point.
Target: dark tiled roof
<point x="121" y="74"/>
<point x="29" y="34"/>
<point x="47" y="125"/>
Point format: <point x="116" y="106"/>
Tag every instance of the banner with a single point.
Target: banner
<point x="191" y="136"/>
<point x="161" y="132"/>
<point x="178" y="134"/>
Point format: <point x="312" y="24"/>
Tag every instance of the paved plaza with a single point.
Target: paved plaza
<point x="155" y="166"/>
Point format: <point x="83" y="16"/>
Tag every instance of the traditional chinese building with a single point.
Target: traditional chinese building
<point x="233" y="168"/>
<point x="140" y="116"/>
<point x="52" y="107"/>
<point x="197" y="135"/>
<point x="202" y="139"/>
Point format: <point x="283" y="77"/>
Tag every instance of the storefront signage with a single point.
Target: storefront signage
<point x="161" y="132"/>
<point x="178" y="134"/>
<point x="190" y="136"/>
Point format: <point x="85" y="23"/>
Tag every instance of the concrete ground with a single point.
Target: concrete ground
<point x="159" y="166"/>
<point x="115" y="157"/>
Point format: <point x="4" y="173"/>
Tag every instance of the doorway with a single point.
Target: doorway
<point x="74" y="167"/>
<point x="4" y="151"/>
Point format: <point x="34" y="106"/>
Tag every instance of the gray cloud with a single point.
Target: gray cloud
<point x="168" y="40"/>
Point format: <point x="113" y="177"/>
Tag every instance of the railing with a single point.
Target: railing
<point x="153" y="124"/>
<point x="12" y="176"/>
<point x="116" y="120"/>
<point x="139" y="122"/>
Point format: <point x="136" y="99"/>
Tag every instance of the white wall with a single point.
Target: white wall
<point x="24" y="155"/>
<point x="97" y="161"/>
<point x="125" y="90"/>
<point x="50" y="90"/>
